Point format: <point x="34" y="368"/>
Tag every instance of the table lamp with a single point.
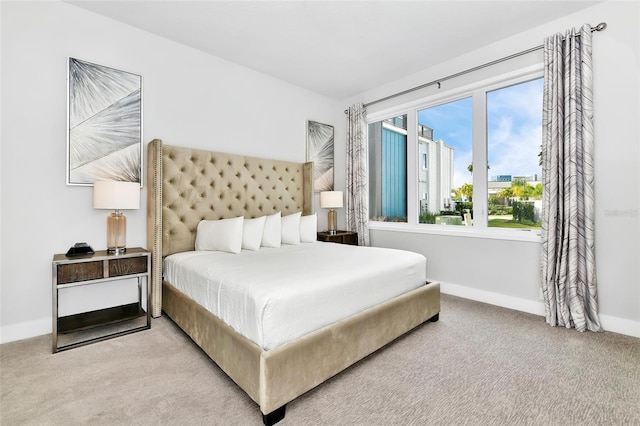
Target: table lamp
<point x="331" y="200"/>
<point x="116" y="195"/>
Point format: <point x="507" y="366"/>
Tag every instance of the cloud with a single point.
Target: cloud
<point x="514" y="130"/>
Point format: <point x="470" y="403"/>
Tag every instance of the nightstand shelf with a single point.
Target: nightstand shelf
<point x="340" y="237"/>
<point x="108" y="316"/>
<point x="102" y="267"/>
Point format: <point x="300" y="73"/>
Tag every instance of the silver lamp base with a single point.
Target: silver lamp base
<point x="118" y="250"/>
<point x="332" y="222"/>
<point x="116" y="233"/>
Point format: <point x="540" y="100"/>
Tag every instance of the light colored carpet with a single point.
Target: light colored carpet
<point x="479" y="365"/>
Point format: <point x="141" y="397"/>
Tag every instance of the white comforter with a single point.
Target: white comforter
<point x="275" y="295"/>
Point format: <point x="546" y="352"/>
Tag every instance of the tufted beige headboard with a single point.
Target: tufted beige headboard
<point x="187" y="185"/>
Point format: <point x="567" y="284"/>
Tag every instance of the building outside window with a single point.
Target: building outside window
<point x="388" y="169"/>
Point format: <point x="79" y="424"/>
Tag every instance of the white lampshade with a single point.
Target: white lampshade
<point x="331" y="199"/>
<point x="115" y="195"/>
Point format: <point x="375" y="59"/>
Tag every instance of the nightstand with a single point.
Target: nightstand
<point x="101" y="267"/>
<point x="340" y="237"/>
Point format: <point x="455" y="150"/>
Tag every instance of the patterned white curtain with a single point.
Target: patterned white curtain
<point x="568" y="267"/>
<point x="357" y="200"/>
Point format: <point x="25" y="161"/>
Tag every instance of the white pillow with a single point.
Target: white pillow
<point x="291" y="228"/>
<point x="308" y="228"/>
<point x="271" y="236"/>
<point x="252" y="233"/>
<point x="220" y="235"/>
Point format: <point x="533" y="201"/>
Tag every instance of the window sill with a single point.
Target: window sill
<point x="532" y="236"/>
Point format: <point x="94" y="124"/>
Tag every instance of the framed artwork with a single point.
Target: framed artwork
<point x="104" y="124"/>
<point x="320" y="151"/>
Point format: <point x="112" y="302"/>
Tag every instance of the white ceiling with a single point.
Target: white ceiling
<point x="335" y="48"/>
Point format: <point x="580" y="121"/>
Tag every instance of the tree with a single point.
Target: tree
<point x="522" y="190"/>
<point x="466" y="190"/>
<point x="518" y="188"/>
<point x="519" y="182"/>
<point x="505" y="193"/>
<point x="537" y="192"/>
<point x="470" y="168"/>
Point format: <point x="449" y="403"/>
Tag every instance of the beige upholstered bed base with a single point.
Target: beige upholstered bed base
<point x="273" y="378"/>
<point x="188" y="185"/>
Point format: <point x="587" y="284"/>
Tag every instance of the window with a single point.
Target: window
<point x="514" y="136"/>
<point x="427" y="176"/>
<point x="450" y="148"/>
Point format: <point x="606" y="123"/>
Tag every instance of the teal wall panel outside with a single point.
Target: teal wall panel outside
<point x="394" y="174"/>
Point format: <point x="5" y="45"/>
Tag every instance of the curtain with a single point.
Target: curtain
<point x="568" y="267"/>
<point x="357" y="199"/>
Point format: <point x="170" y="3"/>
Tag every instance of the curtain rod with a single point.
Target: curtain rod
<point x="601" y="26"/>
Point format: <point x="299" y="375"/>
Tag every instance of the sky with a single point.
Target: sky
<point x="514" y="130"/>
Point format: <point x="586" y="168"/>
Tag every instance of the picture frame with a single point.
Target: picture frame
<point x="320" y="151"/>
<point x="104" y="124"/>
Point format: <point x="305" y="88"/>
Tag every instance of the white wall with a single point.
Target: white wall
<point x="189" y="99"/>
<point x="506" y="272"/>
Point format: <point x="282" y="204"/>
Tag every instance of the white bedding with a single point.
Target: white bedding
<point x="275" y="295"/>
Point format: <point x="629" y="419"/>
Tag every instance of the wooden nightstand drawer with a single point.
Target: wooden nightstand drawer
<point x="85" y="271"/>
<point x="133" y="265"/>
<point x="340" y="237"/>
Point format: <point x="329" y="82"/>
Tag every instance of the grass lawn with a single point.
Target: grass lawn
<point x="508" y="223"/>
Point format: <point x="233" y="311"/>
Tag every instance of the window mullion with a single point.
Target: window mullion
<point x="412" y="167"/>
<point x="479" y="125"/>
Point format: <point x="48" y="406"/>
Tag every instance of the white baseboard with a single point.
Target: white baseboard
<point x="620" y="325"/>
<point x="25" y="330"/>
<point x="523" y="305"/>
<point x="609" y="323"/>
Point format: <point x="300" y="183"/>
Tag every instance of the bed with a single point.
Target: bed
<point x="189" y="185"/>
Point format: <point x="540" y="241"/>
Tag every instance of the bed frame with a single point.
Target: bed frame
<point x="188" y="185"/>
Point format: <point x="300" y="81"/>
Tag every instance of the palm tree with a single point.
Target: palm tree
<point x="505" y="193"/>
<point x="466" y="190"/>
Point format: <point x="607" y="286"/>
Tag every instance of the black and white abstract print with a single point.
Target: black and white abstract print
<point x="105" y="124"/>
<point x="320" y="151"/>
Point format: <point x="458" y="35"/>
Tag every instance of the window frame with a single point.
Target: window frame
<point x="478" y="92"/>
